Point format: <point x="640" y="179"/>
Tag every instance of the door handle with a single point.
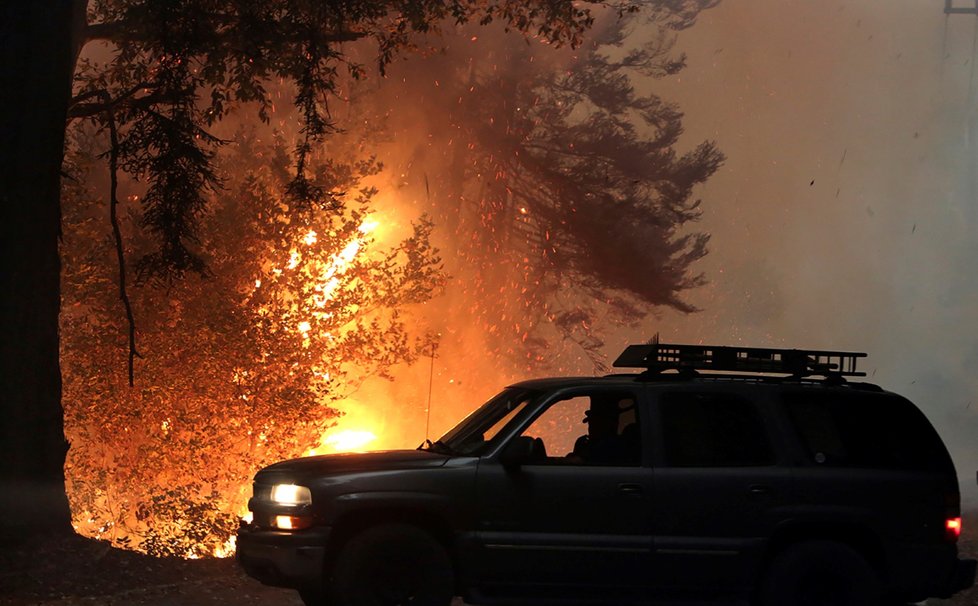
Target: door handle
<point x="630" y="489"/>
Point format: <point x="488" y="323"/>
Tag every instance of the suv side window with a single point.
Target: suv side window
<point x="712" y="430"/>
<point x="875" y="431"/>
<point x="599" y="428"/>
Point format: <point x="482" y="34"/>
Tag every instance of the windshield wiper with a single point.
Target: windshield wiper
<point x="436" y="446"/>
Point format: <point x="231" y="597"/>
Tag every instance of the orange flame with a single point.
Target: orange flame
<point x="349" y="440"/>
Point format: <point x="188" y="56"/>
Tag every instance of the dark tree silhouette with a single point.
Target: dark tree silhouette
<point x="35" y="67"/>
<point x="175" y="68"/>
<point x="569" y="200"/>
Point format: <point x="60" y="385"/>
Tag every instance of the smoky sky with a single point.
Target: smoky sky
<point x="845" y="216"/>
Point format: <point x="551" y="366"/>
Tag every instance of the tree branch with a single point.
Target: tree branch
<point x="80" y="108"/>
<point x="122" y="31"/>
<point x="116" y="232"/>
<point x="110" y="32"/>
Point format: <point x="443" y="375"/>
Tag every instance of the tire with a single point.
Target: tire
<point x="820" y="573"/>
<point x="392" y="565"/>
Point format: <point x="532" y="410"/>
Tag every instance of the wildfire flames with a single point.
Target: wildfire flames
<point x="495" y="152"/>
<point x="349" y="440"/>
<point x="316" y="297"/>
<point x="337" y="439"/>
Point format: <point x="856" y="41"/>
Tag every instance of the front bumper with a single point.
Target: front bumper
<point x="283" y="558"/>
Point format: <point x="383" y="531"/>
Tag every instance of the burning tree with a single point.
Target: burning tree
<point x="567" y="201"/>
<point x="175" y="68"/>
<point x="242" y="365"/>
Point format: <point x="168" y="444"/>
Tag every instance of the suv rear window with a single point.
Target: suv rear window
<point x="876" y="431"/>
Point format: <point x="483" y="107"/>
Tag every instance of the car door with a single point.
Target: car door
<point x="563" y="524"/>
<point x="719" y="488"/>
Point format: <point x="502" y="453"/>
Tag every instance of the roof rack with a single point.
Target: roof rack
<point x="952" y="7"/>
<point x="659" y="357"/>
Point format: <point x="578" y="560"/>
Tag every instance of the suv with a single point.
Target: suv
<point x="717" y="472"/>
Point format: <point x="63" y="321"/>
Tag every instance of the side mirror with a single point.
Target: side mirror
<point x="519" y="451"/>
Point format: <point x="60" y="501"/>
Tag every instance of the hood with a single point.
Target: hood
<point x="295" y="469"/>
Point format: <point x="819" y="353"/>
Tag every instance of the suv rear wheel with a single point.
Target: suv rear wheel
<point x="820" y="573"/>
<point x="392" y="565"/>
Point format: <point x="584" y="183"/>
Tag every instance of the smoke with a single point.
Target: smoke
<point x="845" y="214"/>
<point x="418" y="121"/>
<point x="525" y="157"/>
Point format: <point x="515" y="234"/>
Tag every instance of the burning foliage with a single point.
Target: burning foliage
<point x="241" y="367"/>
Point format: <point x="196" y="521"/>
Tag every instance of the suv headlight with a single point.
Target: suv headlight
<point x="291" y="494"/>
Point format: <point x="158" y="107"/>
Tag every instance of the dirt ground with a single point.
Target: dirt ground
<point x="78" y="571"/>
<point x="83" y="571"/>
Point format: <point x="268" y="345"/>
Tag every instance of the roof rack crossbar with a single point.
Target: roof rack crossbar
<point x="658" y="357"/>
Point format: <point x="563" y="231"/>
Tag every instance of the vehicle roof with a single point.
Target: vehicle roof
<point x="549" y="383"/>
<point x="631" y="379"/>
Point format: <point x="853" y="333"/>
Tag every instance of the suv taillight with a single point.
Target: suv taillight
<point x="952" y="516"/>
<point x="952" y="528"/>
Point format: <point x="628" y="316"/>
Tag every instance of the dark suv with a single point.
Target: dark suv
<point x="760" y="475"/>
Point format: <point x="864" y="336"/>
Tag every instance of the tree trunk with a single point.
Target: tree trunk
<point x="36" y="65"/>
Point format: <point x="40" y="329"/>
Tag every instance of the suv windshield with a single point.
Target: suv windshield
<point x="478" y="431"/>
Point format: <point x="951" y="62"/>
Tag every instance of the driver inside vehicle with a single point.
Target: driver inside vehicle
<point x="603" y="444"/>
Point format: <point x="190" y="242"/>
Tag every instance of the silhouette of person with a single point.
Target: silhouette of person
<point x="602" y="445"/>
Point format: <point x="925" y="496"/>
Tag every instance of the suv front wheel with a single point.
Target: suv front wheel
<point x="392" y="565"/>
<point x="820" y="573"/>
